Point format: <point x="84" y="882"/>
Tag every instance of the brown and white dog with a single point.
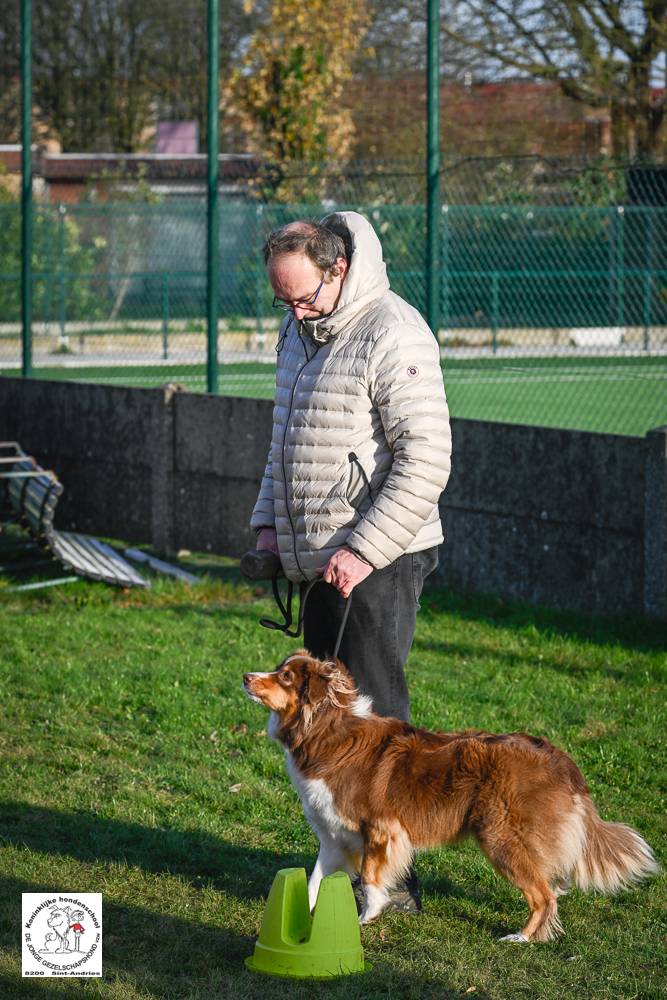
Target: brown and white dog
<point x="375" y="790"/>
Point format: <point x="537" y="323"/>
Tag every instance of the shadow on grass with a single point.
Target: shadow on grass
<point x="629" y="631"/>
<point x="244" y="872"/>
<point x="157" y="946"/>
<point x="167" y="955"/>
<point x="469" y="903"/>
<point x="22" y="560"/>
<point x="170" y="957"/>
<point x="638" y="636"/>
<point x="564" y="665"/>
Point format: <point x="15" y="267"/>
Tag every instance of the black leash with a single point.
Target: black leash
<point x="286" y="609"/>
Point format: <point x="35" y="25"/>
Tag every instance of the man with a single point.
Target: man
<point x="360" y="452"/>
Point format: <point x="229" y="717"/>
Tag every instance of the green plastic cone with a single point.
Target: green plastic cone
<point x="293" y="944"/>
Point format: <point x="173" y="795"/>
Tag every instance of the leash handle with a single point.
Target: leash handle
<point x="260" y="564"/>
<point x="286" y="609"/>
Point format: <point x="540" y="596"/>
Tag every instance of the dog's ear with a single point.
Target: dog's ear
<point x="318" y="684"/>
<point x="326" y="668"/>
<point x="335" y="680"/>
<point x="338" y="672"/>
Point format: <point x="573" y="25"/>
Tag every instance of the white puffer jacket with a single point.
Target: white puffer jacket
<point x="361" y="441"/>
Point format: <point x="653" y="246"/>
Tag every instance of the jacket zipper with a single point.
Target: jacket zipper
<point x="353" y="460"/>
<point x="289" y="414"/>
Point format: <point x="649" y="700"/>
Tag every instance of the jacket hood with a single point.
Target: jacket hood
<point x="366" y="279"/>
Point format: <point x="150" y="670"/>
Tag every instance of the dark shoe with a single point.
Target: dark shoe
<point x="403" y="898"/>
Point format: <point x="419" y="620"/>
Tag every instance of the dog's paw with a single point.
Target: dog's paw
<point x="370" y="914"/>
<point x="517" y="938"/>
<point x="376" y="901"/>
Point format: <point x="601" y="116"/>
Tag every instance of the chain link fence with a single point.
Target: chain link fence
<point x="553" y="284"/>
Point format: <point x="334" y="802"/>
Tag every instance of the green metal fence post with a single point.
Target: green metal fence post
<point x="62" y="305"/>
<point x="47" y="272"/>
<point x="212" y="204"/>
<point x="494" y="311"/>
<point x="647" y="309"/>
<point x="259" y="273"/>
<point x="26" y="187"/>
<point x="165" y="315"/>
<point x="620" y="266"/>
<point x="433" y="169"/>
<point x="445" y="270"/>
<point x="648" y="277"/>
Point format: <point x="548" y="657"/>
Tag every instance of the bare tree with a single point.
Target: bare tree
<point x="395" y="42"/>
<point x="604" y="53"/>
<point x="179" y="70"/>
<point x="104" y="69"/>
<point x="9" y="71"/>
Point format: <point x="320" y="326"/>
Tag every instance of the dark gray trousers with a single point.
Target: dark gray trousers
<point x="379" y="629"/>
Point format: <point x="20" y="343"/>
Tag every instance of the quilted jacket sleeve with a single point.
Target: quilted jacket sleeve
<point x="263" y="514"/>
<point x="406" y="387"/>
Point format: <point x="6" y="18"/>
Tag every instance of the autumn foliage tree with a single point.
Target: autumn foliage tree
<point x="287" y="94"/>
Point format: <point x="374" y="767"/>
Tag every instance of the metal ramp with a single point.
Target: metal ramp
<point x="89" y="557"/>
<point x="32" y="494"/>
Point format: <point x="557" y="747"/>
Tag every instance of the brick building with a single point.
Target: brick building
<point x="507" y="118"/>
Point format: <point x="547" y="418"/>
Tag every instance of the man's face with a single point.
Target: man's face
<point x="295" y="279"/>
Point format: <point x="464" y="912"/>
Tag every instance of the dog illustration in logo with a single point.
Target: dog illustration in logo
<point x="76" y="927"/>
<point x="59" y="922"/>
<point x="50" y="943"/>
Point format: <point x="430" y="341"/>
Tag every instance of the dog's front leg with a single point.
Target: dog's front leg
<point x="331" y="858"/>
<point x="377" y="874"/>
<point x="314" y="881"/>
<point x="376" y="898"/>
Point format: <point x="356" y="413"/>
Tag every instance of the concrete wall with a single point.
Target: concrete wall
<point x="220" y="450"/>
<point x="105" y="444"/>
<point x="546" y="515"/>
<point x="560" y="517"/>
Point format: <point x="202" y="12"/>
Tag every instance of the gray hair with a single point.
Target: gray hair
<point x="320" y="244"/>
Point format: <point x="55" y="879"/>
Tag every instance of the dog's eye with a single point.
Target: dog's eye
<point x="286" y="677"/>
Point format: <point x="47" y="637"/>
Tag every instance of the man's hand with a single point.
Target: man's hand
<point x="345" y="570"/>
<point x="267" y="540"/>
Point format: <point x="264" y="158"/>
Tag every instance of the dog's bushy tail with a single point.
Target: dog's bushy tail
<point x="613" y="855"/>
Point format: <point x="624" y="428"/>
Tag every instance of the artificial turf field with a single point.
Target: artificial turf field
<point x="614" y="395"/>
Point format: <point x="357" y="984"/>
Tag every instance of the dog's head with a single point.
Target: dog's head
<point x="300" y="689"/>
<point x="58" y="919"/>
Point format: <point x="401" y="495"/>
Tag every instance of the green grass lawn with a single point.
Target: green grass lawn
<point x="133" y="765"/>
<point x="615" y="395"/>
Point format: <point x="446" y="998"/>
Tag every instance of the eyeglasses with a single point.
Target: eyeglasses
<point x="297" y="303"/>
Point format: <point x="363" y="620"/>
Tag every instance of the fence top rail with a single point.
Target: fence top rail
<point x="197" y="206"/>
<point x="164" y="275"/>
<point x="533" y="273"/>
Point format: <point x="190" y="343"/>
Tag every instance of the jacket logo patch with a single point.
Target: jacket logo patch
<point x="413" y="370"/>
